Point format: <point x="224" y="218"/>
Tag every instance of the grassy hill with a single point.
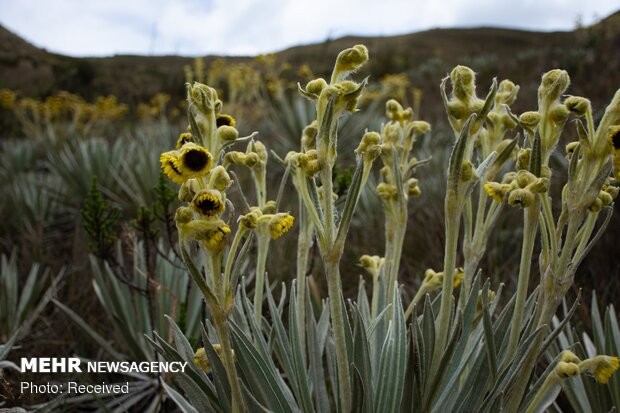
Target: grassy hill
<point x="591" y="55"/>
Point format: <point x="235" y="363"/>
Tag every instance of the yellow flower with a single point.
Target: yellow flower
<point x="458" y="277"/>
<point x="183" y="139"/>
<point x="372" y="264"/>
<point x="194" y="161"/>
<point x="224" y="120"/>
<point x="170" y="165"/>
<point x="201" y="359"/>
<point x="280" y="224"/>
<point x="215" y="239"/>
<point x="496" y="190"/>
<point x="600" y="367"/>
<point x="208" y="202"/>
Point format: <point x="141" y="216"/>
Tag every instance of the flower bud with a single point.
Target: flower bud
<point x="577" y="105"/>
<point x="349" y="60"/>
<point x="386" y="191"/>
<point x="219" y="179"/>
<point x="565" y="370"/>
<point x="605" y="198"/>
<point x="506" y="93"/>
<point x="227" y="133"/>
<point x="529" y="121"/>
<point x="554" y="83"/>
<point x="558" y="114"/>
<point x="420" y="127"/>
<point x="316" y="86"/>
<point x="413" y="190"/>
<point x="467" y="171"/>
<point x="568" y="356"/>
<point x="463" y="82"/>
<point x="259" y="149"/>
<point x="523" y="158"/>
<point x="539" y="185"/>
<point x="309" y="162"/>
<point x="570" y="148"/>
<point x="393" y="109"/>
<point x="308" y="137"/>
<point x="521" y="197"/>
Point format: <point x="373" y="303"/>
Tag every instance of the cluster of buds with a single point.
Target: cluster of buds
<point x="394" y="145"/>
<point x="266" y="220"/>
<point x="345" y="92"/>
<point x="463" y="100"/>
<point x="599" y="367"/>
<point x="433" y="280"/>
<point x="372" y="264"/>
<point x="522" y="187"/>
<point x="606" y="196"/>
<point x="191" y="164"/>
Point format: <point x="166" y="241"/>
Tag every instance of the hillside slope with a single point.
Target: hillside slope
<point x="591" y="55"/>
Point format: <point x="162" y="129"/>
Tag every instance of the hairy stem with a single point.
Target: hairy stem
<point x="530" y="228"/>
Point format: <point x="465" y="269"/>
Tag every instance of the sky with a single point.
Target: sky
<point x="250" y="27"/>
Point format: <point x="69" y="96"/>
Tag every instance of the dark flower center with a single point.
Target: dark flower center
<point x="208" y="205"/>
<point x="615" y="140"/>
<point x="195" y="159"/>
<point x="223" y="120"/>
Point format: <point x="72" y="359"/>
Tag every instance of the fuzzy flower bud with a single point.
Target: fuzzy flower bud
<point x="413" y="190"/>
<point x="227" y="133"/>
<point x="521" y="198"/>
<point x="316" y="86"/>
<point x="349" y="60"/>
<point x="279" y="224"/>
<point x="420" y="127"/>
<point x="308" y="137"/>
<point x="577" y="105"/>
<point x="568" y="356"/>
<point x="506" y="93"/>
<point x="372" y="264"/>
<point x="463" y="83"/>
<point x="565" y="370"/>
<point x="523" y="158"/>
<point x="309" y="162"/>
<point x="219" y="179"/>
<point x="554" y="83"/>
<point x="386" y="191"/>
<point x="600" y="367"/>
<point x="529" y="121"/>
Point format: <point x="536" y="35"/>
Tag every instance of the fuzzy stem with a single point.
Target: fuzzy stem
<point x="547" y="387"/>
<point x="530" y="228"/>
<point x="416" y="299"/>
<point x="453" y="221"/>
<point x="228" y="360"/>
<point x="337" y="318"/>
<point x="304" y="241"/>
<point x="231" y="256"/>
<point x="263" y="246"/>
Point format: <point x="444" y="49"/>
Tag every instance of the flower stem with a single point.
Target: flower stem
<point x="337" y="318"/>
<point x="259" y="285"/>
<point x="229" y="363"/>
<point x="530" y="228"/>
<point x="304" y="241"/>
<point x="453" y="221"/>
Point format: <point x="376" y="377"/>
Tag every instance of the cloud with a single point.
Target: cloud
<point x="195" y="27"/>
